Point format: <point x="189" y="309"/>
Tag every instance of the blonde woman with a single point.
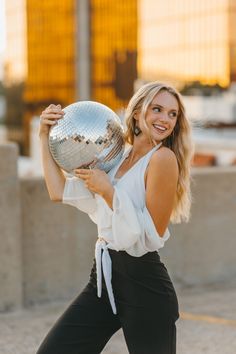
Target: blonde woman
<point x="132" y="205"/>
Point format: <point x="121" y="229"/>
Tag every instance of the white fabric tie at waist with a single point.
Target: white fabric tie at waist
<point x="103" y="264"/>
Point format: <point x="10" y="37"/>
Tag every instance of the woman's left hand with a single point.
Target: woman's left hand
<point x="95" y="180"/>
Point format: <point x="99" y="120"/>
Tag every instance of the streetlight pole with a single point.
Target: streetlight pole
<point x="82" y="41"/>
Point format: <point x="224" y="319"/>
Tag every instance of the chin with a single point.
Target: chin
<point x="159" y="138"/>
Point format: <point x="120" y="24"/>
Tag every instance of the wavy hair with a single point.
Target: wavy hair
<point x="179" y="141"/>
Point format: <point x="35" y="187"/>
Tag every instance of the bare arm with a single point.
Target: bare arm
<point x="54" y="177"/>
<point x="161" y="184"/>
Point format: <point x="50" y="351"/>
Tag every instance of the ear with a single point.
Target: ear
<point x="136" y="115"/>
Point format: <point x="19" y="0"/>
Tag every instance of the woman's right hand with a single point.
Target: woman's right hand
<point x="49" y="117"/>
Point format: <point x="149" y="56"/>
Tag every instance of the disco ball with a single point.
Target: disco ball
<point x="90" y="135"/>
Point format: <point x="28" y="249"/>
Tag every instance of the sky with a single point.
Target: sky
<point x="2" y="34"/>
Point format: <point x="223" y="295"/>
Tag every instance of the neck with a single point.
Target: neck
<point x="141" y="146"/>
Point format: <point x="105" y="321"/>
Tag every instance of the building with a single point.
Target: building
<point x="183" y="41"/>
<point x="15" y="69"/>
<point x="113" y="51"/>
<point x="71" y="50"/>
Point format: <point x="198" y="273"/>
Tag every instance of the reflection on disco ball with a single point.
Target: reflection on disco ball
<point x="90" y="135"/>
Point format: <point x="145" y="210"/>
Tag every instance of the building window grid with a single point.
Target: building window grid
<point x="198" y="47"/>
<point x="108" y="37"/>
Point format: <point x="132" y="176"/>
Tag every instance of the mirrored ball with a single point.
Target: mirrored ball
<point x="90" y="135"/>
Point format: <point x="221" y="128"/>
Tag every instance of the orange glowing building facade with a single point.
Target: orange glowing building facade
<point x="47" y="45"/>
<point x="43" y="45"/>
<point x="113" y="51"/>
<point x="51" y="51"/>
<point x="184" y="41"/>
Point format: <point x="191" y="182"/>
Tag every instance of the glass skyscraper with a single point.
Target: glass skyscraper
<point x="44" y="51"/>
<point x="187" y="40"/>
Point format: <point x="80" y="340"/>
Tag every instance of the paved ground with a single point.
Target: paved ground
<point x="207" y="324"/>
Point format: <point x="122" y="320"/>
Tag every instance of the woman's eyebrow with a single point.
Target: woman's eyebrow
<point x="157" y="104"/>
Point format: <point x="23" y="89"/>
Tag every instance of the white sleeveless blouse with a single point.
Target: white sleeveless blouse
<point x="128" y="226"/>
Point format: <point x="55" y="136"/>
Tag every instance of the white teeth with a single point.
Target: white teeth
<point x="159" y="127"/>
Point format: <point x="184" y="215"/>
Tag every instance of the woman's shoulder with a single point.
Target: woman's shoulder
<point x="164" y="159"/>
<point x="164" y="154"/>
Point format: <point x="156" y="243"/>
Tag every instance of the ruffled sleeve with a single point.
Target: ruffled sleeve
<point x="76" y="194"/>
<point x="133" y="229"/>
<point x="150" y="240"/>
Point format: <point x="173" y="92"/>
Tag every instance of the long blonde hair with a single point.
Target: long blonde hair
<point x="180" y="142"/>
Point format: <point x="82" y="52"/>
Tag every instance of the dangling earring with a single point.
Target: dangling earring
<point x="137" y="130"/>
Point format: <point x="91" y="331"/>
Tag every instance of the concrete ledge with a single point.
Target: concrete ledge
<point x="203" y="251"/>
<point x="47" y="248"/>
<point x="58" y="245"/>
<point x="10" y="235"/>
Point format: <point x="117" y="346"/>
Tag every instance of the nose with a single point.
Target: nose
<point x="164" y="117"/>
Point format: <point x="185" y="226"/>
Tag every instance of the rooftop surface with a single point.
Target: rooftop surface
<point x="207" y="323"/>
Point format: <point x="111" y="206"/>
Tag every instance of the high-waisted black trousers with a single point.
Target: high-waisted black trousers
<point x="147" y="309"/>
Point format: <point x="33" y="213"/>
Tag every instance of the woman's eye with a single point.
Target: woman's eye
<point x="173" y="114"/>
<point x="156" y="109"/>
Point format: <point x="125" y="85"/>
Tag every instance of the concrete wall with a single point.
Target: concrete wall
<point x="47" y="248"/>
<point x="57" y="245"/>
<point x="10" y="230"/>
<point x="203" y="251"/>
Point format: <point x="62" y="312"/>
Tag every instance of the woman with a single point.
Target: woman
<point x="129" y="286"/>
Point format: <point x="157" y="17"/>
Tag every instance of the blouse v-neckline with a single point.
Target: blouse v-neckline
<point x="134" y="165"/>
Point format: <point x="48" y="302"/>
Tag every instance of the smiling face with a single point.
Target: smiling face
<point x="161" y="116"/>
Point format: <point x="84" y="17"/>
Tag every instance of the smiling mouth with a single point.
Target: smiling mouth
<point x="159" y="128"/>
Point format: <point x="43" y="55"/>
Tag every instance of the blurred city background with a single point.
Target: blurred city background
<point x="62" y="51"/>
<point x="68" y="50"/>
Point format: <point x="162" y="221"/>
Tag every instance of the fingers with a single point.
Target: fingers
<point x="48" y="122"/>
<point x="50" y="119"/>
<point x="52" y="108"/>
<point x="84" y="173"/>
<point x="94" y="179"/>
<point x="51" y="114"/>
<point x="53" y="111"/>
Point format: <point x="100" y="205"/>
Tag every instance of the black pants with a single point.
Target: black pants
<point x="147" y="309"/>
